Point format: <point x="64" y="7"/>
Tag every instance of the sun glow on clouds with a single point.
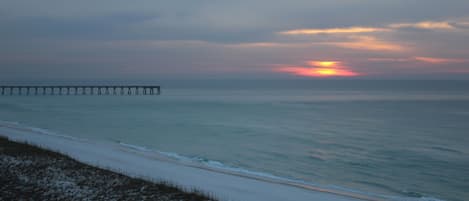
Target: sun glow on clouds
<point x="434" y="60"/>
<point x="433" y="25"/>
<point x="424" y="25"/>
<point x="384" y="40"/>
<point x="320" y="69"/>
<point x="324" y="63"/>
<point x="333" y="31"/>
<point x="367" y="43"/>
<point x="368" y="38"/>
<point x="429" y="60"/>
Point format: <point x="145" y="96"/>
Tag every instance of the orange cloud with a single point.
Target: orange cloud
<point x="418" y="25"/>
<point x="442" y="25"/>
<point x="424" y="25"/>
<point x="333" y="31"/>
<point x="367" y="43"/>
<point x="319" y="69"/>
<point x="434" y="60"/>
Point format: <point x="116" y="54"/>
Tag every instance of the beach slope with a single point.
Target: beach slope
<point x="147" y="165"/>
<point x="30" y="172"/>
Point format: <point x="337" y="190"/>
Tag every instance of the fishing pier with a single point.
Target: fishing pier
<point x="111" y="90"/>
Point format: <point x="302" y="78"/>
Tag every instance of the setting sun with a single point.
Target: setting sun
<point x="323" y="63"/>
<point x="326" y="72"/>
<point x="317" y="72"/>
<point x="320" y="69"/>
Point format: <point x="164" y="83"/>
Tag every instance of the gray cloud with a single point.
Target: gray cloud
<point x="53" y="38"/>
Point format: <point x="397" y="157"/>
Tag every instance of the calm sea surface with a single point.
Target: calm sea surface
<point x="401" y="139"/>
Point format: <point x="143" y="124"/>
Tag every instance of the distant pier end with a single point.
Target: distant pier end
<point x="111" y="90"/>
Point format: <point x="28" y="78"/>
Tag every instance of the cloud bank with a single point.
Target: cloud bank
<point x="118" y="39"/>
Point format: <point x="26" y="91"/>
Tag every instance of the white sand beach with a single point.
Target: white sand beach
<point x="148" y="165"/>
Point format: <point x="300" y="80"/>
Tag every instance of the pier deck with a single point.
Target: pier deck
<point x="81" y="90"/>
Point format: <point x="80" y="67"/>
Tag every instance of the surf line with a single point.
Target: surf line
<point x="160" y="157"/>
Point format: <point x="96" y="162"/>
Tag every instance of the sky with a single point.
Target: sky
<point x="256" y="39"/>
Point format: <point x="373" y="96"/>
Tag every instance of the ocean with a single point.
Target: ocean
<point x="397" y="140"/>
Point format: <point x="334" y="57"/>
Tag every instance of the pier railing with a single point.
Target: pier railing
<point x="80" y="90"/>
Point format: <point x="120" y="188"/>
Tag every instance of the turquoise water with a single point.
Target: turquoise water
<point x="397" y="139"/>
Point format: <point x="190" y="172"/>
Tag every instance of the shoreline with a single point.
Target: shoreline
<point x="220" y="185"/>
<point x="29" y="171"/>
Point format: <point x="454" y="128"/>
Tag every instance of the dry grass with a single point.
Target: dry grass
<point x="30" y="173"/>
